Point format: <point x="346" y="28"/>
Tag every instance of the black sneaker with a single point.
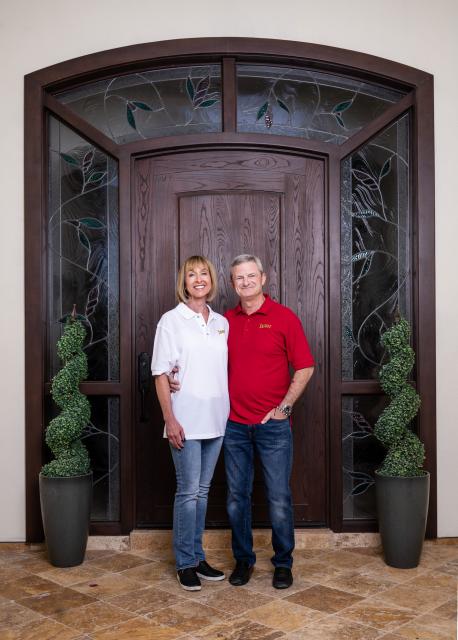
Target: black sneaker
<point x="241" y="574"/>
<point x="188" y="579"/>
<point x="283" y="578"/>
<point x="206" y="572"/>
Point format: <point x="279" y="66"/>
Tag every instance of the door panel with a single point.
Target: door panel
<point x="221" y="204"/>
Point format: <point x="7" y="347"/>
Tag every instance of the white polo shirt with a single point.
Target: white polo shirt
<point x="199" y="349"/>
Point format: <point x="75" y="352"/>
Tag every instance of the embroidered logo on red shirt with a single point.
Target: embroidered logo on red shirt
<point x="265" y="326"/>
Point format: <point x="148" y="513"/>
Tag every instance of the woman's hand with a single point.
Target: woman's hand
<point x="175" y="433"/>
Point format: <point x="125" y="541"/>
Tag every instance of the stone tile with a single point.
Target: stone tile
<point x="28" y="586"/>
<point x="313" y="569"/>
<point x="239" y="629"/>
<point x="96" y="554"/>
<point x="93" y="617"/>
<point x="110" y="584"/>
<point x="108" y="543"/>
<point x="379" y="569"/>
<point x="119" y="562"/>
<point x="374" y="613"/>
<point x="428" y="627"/>
<point x="72" y="575"/>
<point x="186" y="617"/>
<point x="53" y="603"/>
<point x="436" y="581"/>
<point x="335" y="628"/>
<point x="145" y="601"/>
<point x="234" y="600"/>
<point x="282" y="615"/>
<point x="323" y="599"/>
<point x="345" y="559"/>
<point x="370" y="552"/>
<point x="45" y="629"/>
<point x="261" y="582"/>
<point x="358" y="583"/>
<point x="414" y="598"/>
<point x="151" y="572"/>
<point x="450" y="567"/>
<point x="447" y="610"/>
<point x="13" y="614"/>
<point x="10" y="572"/>
<point x="34" y="563"/>
<point x="136" y="629"/>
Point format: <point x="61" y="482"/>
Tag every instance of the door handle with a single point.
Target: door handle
<point x="144" y="382"/>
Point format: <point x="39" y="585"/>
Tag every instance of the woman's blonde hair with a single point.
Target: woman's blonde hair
<point x="191" y="263"/>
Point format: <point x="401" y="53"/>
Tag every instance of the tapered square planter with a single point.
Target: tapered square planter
<point x="66" y="511"/>
<point x="402" y="507"/>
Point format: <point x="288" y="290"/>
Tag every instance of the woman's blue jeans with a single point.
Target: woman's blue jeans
<point x="194" y="467"/>
<point x="272" y="442"/>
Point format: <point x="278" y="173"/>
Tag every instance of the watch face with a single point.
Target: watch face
<point x="287" y="409"/>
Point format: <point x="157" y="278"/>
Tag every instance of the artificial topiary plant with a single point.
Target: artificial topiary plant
<point x="63" y="435"/>
<point x="406" y="452"/>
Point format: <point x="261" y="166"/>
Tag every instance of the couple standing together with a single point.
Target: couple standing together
<point x="233" y="389"/>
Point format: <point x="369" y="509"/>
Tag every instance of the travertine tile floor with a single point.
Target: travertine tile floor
<point x="337" y="595"/>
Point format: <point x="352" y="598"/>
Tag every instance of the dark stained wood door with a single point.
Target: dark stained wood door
<point x="221" y="204"/>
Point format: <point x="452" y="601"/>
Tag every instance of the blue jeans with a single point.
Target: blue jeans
<point x="272" y="442"/>
<point x="194" y="467"/>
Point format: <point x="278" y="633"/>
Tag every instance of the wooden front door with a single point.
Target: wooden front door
<point x="221" y="204"/>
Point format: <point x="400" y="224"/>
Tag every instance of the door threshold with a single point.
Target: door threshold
<point x="160" y="539"/>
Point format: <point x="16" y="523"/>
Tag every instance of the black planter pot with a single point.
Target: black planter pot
<point x="402" y="506"/>
<point x="66" y="510"/>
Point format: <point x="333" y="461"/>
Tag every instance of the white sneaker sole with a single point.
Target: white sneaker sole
<point x="216" y="579"/>
<point x="196" y="588"/>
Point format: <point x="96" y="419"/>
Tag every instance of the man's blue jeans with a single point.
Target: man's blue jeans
<point x="194" y="467"/>
<point x="272" y="442"/>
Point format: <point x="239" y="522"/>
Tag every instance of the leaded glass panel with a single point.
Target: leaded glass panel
<point x="102" y="440"/>
<point x="101" y="437"/>
<point x="151" y="104"/>
<point x="375" y="255"/>
<point x="362" y="454"/>
<point x="83" y="248"/>
<point x="307" y="103"/>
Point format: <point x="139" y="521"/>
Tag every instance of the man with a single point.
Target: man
<point x="265" y="338"/>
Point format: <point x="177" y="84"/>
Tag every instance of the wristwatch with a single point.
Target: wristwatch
<point x="286" y="409"/>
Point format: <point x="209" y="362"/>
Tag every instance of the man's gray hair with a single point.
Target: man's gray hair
<point x="246" y="257"/>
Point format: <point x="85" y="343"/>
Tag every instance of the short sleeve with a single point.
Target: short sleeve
<point x="165" y="352"/>
<point x="299" y="354"/>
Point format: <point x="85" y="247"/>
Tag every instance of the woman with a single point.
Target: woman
<point x="193" y="338"/>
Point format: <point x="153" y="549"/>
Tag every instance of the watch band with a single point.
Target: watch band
<point x="286" y="410"/>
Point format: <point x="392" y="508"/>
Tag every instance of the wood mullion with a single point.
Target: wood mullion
<point x="81" y="126"/>
<point x="313" y="148"/>
<point x="229" y="95"/>
<point x="127" y="355"/>
<point x="424" y="283"/>
<point x="393" y="112"/>
<point x="334" y="351"/>
<point x="361" y="388"/>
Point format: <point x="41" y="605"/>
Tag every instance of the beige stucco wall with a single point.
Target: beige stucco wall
<point x="33" y="35"/>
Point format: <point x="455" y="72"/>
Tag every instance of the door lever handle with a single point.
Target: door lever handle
<point x="144" y="382"/>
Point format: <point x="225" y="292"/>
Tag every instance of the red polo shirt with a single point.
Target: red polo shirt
<point x="261" y="348"/>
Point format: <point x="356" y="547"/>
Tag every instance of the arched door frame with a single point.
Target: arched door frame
<point x="39" y="100"/>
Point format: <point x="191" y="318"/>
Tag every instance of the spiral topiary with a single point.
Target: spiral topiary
<point x="406" y="453"/>
<point x="63" y="435"/>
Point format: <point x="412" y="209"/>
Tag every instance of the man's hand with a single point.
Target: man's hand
<point x="274" y="414"/>
<point x="175" y="433"/>
<point x="173" y="382"/>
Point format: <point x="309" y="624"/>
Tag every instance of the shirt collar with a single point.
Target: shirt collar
<point x="263" y="309"/>
<point x="188" y="313"/>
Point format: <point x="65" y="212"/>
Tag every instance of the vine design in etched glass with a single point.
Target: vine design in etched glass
<point x="149" y="104"/>
<point x="375" y="247"/>
<point x="307" y="103"/>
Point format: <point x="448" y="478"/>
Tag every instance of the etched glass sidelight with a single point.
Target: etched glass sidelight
<point x="375" y="255"/>
<point x="83" y="248"/>
<point x="307" y="103"/>
<point x="362" y="454"/>
<point x="151" y="104"/>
